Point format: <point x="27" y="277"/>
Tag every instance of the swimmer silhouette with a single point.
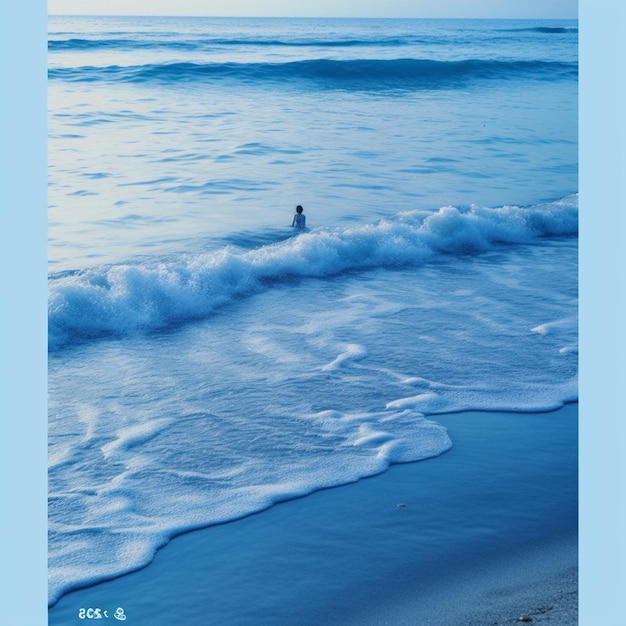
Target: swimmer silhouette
<point x="299" y="219"/>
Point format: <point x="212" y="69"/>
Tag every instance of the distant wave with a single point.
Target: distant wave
<point x="545" y="29"/>
<point x="107" y="44"/>
<point x="555" y="29"/>
<point x="78" y="43"/>
<point x="120" y="300"/>
<point x="364" y="73"/>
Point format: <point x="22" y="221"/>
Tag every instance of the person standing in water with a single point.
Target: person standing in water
<point x="299" y="219"/>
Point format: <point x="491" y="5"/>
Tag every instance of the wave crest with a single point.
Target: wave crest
<point x="404" y="73"/>
<point x="125" y="299"/>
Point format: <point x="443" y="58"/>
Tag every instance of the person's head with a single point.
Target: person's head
<point x="299" y="209"/>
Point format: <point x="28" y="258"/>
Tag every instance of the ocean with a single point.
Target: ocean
<point x="206" y="359"/>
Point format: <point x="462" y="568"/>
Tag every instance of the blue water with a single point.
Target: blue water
<point x="205" y="360"/>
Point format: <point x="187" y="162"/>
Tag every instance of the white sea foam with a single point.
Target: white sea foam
<point x="136" y="510"/>
<point x="308" y="385"/>
<point x="126" y="299"/>
<point x="353" y="352"/>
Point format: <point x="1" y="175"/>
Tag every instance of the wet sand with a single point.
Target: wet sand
<point x="484" y="534"/>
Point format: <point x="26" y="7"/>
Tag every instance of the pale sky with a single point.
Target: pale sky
<point x="323" y="8"/>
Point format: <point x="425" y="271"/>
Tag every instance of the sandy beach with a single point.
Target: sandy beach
<point x="485" y="534"/>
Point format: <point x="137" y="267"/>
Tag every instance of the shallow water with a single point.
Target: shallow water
<point x="480" y="521"/>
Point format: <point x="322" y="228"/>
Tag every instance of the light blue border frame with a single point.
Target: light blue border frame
<point x="23" y="323"/>
<point x="602" y="434"/>
<point x="23" y="356"/>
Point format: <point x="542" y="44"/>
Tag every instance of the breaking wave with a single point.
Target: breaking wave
<point x="120" y="300"/>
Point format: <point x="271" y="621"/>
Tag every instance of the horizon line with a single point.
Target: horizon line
<point x="358" y="17"/>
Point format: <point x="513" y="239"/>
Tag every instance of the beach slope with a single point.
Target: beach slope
<point x="485" y="534"/>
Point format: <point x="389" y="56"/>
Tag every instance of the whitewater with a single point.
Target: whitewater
<point x="124" y="299"/>
<point x="206" y="361"/>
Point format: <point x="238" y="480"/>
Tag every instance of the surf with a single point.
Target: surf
<point x="125" y="299"/>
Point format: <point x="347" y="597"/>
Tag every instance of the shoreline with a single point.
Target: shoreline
<point x="482" y="534"/>
<point x="538" y="586"/>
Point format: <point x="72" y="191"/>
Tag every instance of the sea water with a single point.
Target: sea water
<point x="205" y="359"/>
